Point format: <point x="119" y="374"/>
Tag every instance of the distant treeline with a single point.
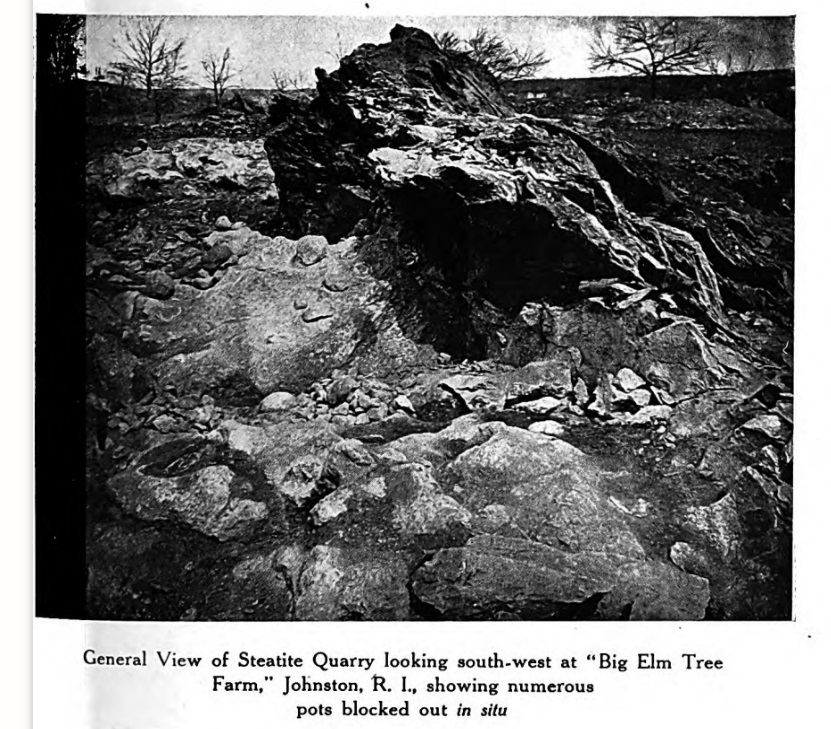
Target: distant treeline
<point x="772" y="90"/>
<point x="115" y="101"/>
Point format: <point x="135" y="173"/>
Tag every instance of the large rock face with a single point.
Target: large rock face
<point x="514" y="524"/>
<point x="144" y="175"/>
<point x="287" y="314"/>
<point x="506" y="207"/>
<point x="497" y="577"/>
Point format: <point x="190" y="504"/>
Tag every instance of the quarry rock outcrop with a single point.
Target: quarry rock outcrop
<point x="472" y="377"/>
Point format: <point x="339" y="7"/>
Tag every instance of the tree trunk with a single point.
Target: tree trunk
<point x="653" y="86"/>
<point x="158" y="104"/>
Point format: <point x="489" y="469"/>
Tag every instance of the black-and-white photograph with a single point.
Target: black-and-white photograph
<point x="415" y="319"/>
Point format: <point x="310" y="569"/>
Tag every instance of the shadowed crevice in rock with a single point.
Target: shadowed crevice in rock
<point x="639" y="194"/>
<point x="507" y="253"/>
<point x="424" y="610"/>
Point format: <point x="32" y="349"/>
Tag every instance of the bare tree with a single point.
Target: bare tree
<point x="341" y="49"/>
<point x="217" y="71"/>
<point x="284" y="81"/>
<point x="651" y="47"/>
<point x="170" y="78"/>
<point x="448" y="41"/>
<point x="504" y="61"/>
<point x="149" y="56"/>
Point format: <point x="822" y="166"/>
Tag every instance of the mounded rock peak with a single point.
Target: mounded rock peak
<point x="413" y="35"/>
<point x="419" y="148"/>
<point x="414" y="70"/>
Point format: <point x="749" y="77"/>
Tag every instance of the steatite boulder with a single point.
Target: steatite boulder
<point x="222" y="163"/>
<point x="477" y="392"/>
<point x="550" y="489"/>
<point x="420" y="505"/>
<point x="277" y="402"/>
<point x="433" y="402"/>
<point x="493" y="577"/>
<point x="239" y="241"/>
<point x="132" y="177"/>
<point x="504" y="237"/>
<point x="246" y="334"/>
<point x="671" y="353"/>
<point x="628" y="380"/>
<point x="550" y="377"/>
<point x="201" y="500"/>
<point x="558" y="219"/>
<point x="205" y="161"/>
<point x="348" y="584"/>
<point x="679" y="359"/>
<point x="255" y="589"/>
<point x="717" y="523"/>
<point x="655" y="591"/>
<point x="547" y="427"/>
<point x="291" y="455"/>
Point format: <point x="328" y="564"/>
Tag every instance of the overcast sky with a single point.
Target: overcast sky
<point x="297" y="44"/>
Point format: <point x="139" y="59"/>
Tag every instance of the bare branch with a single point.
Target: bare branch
<point x="449" y="42"/>
<point x="341" y="49"/>
<point x="217" y="71"/>
<point x="148" y="56"/>
<point x="505" y="62"/>
<point x="284" y="81"/>
<point x="653" y="46"/>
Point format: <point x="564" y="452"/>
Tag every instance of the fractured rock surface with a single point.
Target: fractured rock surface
<point x="470" y="379"/>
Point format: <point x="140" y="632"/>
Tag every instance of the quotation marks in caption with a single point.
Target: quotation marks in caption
<point x="443" y="684"/>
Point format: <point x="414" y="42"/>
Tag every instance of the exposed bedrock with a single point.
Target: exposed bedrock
<point x="473" y="379"/>
<point x="478" y="520"/>
<point x="479" y="208"/>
